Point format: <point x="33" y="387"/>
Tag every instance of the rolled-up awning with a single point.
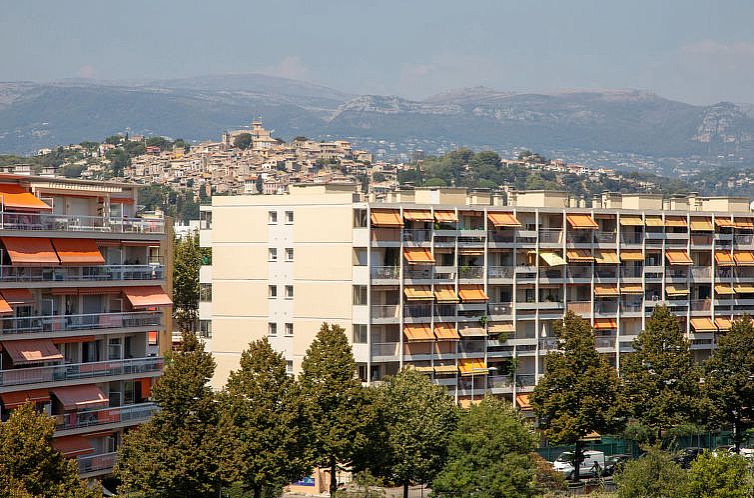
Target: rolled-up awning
<point x="72" y="446"/>
<point x="446" y="369"/>
<point x="446" y="332"/>
<point x="501" y="328"/>
<point x="675" y="221"/>
<point x="606" y="258"/>
<point x="472" y="293"/>
<point x="80" y="397"/>
<point x="14" y="197"/>
<point x="581" y="221"/>
<point x="30" y="251"/>
<point x="723" y="323"/>
<point x="446" y="294"/>
<point x="744" y="288"/>
<point x="32" y="351"/>
<point x="631" y="289"/>
<point x="502" y="220"/>
<point x="723" y="258"/>
<point x="18" y="297"/>
<point x="605" y="323"/>
<point x="522" y="401"/>
<point x="743" y="258"/>
<point x="76" y="252"/>
<point x="579" y="255"/>
<point x="418" y="256"/>
<point x="701" y="225"/>
<point x="15" y="399"/>
<point x="653" y="221"/>
<point x="724" y="223"/>
<point x="631" y="255"/>
<point x="446" y="216"/>
<point x="472" y="332"/>
<point x="5" y="308"/>
<point x="676" y="257"/>
<point x="703" y="324"/>
<point x="387" y="218"/>
<point x="552" y="258"/>
<point x="744" y="223"/>
<point x="422" y="369"/>
<point x="631" y="220"/>
<point x="150" y="296"/>
<point x="418" y="215"/>
<point x="472" y="366"/>
<point x="724" y="289"/>
<point x="672" y="290"/>
<point x="418" y="332"/>
<point x="418" y="293"/>
<point x="604" y="290"/>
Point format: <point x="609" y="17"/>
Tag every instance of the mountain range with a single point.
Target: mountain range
<point x="35" y="115"/>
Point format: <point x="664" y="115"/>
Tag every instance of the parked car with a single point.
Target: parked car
<point x="686" y="456"/>
<point x="592" y="466"/>
<point x="614" y="463"/>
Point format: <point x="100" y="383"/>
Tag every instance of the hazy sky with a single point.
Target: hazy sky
<point x="697" y="51"/>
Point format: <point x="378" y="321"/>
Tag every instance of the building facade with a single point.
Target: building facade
<point x="466" y="286"/>
<point x="84" y="310"/>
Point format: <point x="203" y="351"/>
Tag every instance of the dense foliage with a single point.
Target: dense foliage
<point x="187" y="261"/>
<point x="654" y="475"/>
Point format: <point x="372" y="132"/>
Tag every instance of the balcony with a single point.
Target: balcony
<point x="386" y="311"/>
<point x="580" y="272"/>
<point x="604" y="342"/>
<point x="551" y="236"/>
<point x="389" y="349"/>
<point x="80" y="371"/>
<point x="701" y="272"/>
<point x="103" y="273"/>
<point x="122" y="415"/>
<point x="579" y="238"/>
<point x="605" y="237"/>
<point x="500" y="309"/>
<point x="501" y="237"/>
<point x="417" y="311"/>
<point x="606" y="307"/>
<point x="421" y="272"/>
<point x="701" y="240"/>
<point x="631" y="238"/>
<point x="77" y="323"/>
<point x="701" y="305"/>
<point x="96" y="464"/>
<point x="580" y="307"/>
<point x="471" y="272"/>
<point x="635" y="272"/>
<point x="385" y="272"/>
<point x="525" y="380"/>
<point x="500" y="272"/>
<point x="417" y="237"/>
<point x="67" y="223"/>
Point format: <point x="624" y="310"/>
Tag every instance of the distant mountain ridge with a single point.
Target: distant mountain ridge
<point x="35" y="115"/>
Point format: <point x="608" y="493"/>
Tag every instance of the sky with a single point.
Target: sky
<point x="691" y="50"/>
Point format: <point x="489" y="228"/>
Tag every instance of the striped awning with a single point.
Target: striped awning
<point x="579" y="255"/>
<point x="502" y="220"/>
<point x="602" y="290"/>
<point x="723" y="258"/>
<point x="606" y="258"/>
<point x="676" y="257"/>
<point x="418" y="293"/>
<point x="418" y="215"/>
<point x="703" y="324"/>
<point x="631" y="220"/>
<point x="581" y="221"/>
<point x="701" y="224"/>
<point x="387" y="218"/>
<point x="631" y="255"/>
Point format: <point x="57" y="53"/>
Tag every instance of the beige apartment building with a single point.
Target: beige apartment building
<point x="467" y="285"/>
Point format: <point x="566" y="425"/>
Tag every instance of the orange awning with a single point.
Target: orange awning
<point x="389" y="218"/>
<point x="152" y="337"/>
<point x="446" y="217"/>
<point x="121" y="200"/>
<point x="32" y="351"/>
<point x="75" y="339"/>
<point x="672" y="290"/>
<point x="581" y="221"/>
<point x="418" y="256"/>
<point x="446" y="332"/>
<point x="653" y="221"/>
<point x="472" y="293"/>
<point x="605" y="323"/>
<point x="472" y="366"/>
<point x="724" y="223"/>
<point x="418" y="332"/>
<point x="5" y="307"/>
<point x="522" y="401"/>
<point x="18" y="297"/>
<point x="602" y="290"/>
<point x="744" y="288"/>
<point x="147" y="296"/>
<point x="724" y="289"/>
<point x="72" y="446"/>
<point x="743" y="258"/>
<point x="675" y="221"/>
<point x="15" y="197"/>
<point x="701" y="224"/>
<point x="446" y="294"/>
<point x="723" y="258"/>
<point x="81" y="397"/>
<point x="676" y="257"/>
<point x="579" y="255"/>
<point x="607" y="258"/>
<point x="744" y="223"/>
<point x="501" y="220"/>
<point x="631" y="289"/>
<point x="703" y="324"/>
<point x="723" y="323"/>
<point x="631" y="220"/>
<point x="30" y="251"/>
<point x="75" y="252"/>
<point x="418" y="293"/>
<point x="18" y="398"/>
<point x="631" y="255"/>
<point x="418" y="215"/>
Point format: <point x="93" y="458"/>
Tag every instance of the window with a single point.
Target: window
<point x="273" y="256"/>
<point x="360" y="295"/>
<point x="359" y="218"/>
<point x="289" y="329"/>
<point x="272" y="291"/>
<point x="360" y="257"/>
<point x="359" y="334"/>
<point x="272" y="217"/>
<point x="289" y="217"/>
<point x="289" y="292"/>
<point x="289" y="367"/>
<point x="272" y="329"/>
<point x="289" y="254"/>
<point x="362" y="369"/>
<point x="205" y="329"/>
<point x="205" y="292"/>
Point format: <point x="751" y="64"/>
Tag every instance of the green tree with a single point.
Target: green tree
<point x="418" y="417"/>
<point x="488" y="455"/>
<point x="729" y="378"/>
<point x="719" y="476"/>
<point x="334" y="401"/>
<point x="176" y="453"/>
<point x="161" y="142"/>
<point x="580" y="392"/>
<point x="242" y="141"/>
<point x="186" y="264"/>
<point x="262" y="423"/>
<point x="435" y="182"/>
<point x="660" y="377"/>
<point x="654" y="475"/>
<point x="30" y="466"/>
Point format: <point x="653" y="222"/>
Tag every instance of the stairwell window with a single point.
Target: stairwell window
<point x="289" y="292"/>
<point x="289" y="217"/>
<point x="272" y="291"/>
<point x="272" y="217"/>
<point x="273" y="254"/>
<point x="289" y="330"/>
<point x="359" y="334"/>
<point x="272" y="329"/>
<point x="360" y="295"/>
<point x="289" y="254"/>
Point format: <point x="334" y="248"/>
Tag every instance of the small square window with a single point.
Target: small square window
<point x="359" y="334"/>
<point x="272" y="291"/>
<point x="359" y="218"/>
<point x="289" y="367"/>
<point x="289" y="292"/>
<point x="273" y="255"/>
<point x="289" y="329"/>
<point x="272" y="329"/>
<point x="360" y="295"/>
<point x="272" y="217"/>
<point x="288" y="217"/>
<point x="289" y="254"/>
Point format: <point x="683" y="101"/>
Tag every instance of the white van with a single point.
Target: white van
<point x="564" y="464"/>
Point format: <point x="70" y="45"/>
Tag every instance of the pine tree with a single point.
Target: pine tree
<point x="263" y="424"/>
<point x="580" y="392"/>
<point x="30" y="466"/>
<point x="661" y="378"/>
<point x="729" y="378"/>
<point x="488" y="455"/>
<point x="418" y="419"/>
<point x="176" y="453"/>
<point x="334" y="401"/>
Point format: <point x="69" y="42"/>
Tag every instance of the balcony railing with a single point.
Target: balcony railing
<point x="81" y="273"/>
<point x="471" y="272"/>
<point x="701" y="272"/>
<point x="631" y="238"/>
<point x="417" y="311"/>
<point x="550" y="236"/>
<point x="78" y="371"/>
<point x="579" y="272"/>
<point x="94" y="463"/>
<point x="424" y="273"/>
<point x="605" y="238"/>
<point x="701" y="305"/>
<point x="500" y="237"/>
<point x="525" y="380"/>
<point x="500" y="272"/>
<point x="604" y="342"/>
<point x="385" y="311"/>
<point x="128" y="413"/>
<point x="417" y="236"/>
<point x="385" y="272"/>
<point x="63" y="323"/>
<point x="605" y="307"/>
<point x="386" y="349"/>
<point x="68" y="223"/>
<point x="580" y="306"/>
<point x="579" y="238"/>
<point x="500" y="308"/>
<point x="635" y="272"/>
